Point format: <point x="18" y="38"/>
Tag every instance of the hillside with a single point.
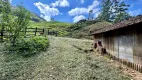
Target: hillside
<point x="62" y="61"/>
<point x="37" y="21"/>
<point x="34" y="17"/>
<point x="83" y="30"/>
<point x="61" y="27"/>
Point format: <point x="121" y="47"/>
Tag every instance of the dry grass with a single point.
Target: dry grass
<point x="62" y="61"/>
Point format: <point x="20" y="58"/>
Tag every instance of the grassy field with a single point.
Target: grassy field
<point x="61" y="27"/>
<point x="64" y="60"/>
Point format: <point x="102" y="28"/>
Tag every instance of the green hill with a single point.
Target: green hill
<point x="37" y="21"/>
<point x="83" y="29"/>
<point x="34" y="17"/>
<point x="61" y="27"/>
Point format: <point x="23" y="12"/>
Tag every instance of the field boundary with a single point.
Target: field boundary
<point x="29" y="32"/>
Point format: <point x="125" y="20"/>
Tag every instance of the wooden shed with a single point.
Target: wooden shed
<point x="123" y="40"/>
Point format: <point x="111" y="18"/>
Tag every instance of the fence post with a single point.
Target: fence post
<point x="43" y="31"/>
<point x="141" y="69"/>
<point x="56" y="33"/>
<point x="2" y="32"/>
<point x="53" y="32"/>
<point x="25" y="31"/>
<point x="35" y="31"/>
<point x="48" y="31"/>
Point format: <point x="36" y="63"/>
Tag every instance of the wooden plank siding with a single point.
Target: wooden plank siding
<point x="126" y="47"/>
<point x="138" y="46"/>
<point x="123" y="43"/>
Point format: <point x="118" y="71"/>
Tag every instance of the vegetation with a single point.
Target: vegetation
<point x="61" y="27"/>
<point x="13" y="25"/>
<point x="60" y="62"/>
<point x="84" y="29"/>
<point x="120" y="12"/>
<point x="20" y="23"/>
<point x="28" y="47"/>
<point x="33" y="17"/>
<point x="66" y="58"/>
<point x="13" y="22"/>
<point x="113" y="11"/>
<point x="105" y="13"/>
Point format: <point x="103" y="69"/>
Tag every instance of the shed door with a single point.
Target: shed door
<point x="126" y="47"/>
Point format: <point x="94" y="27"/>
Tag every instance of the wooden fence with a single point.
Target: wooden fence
<point x="30" y="32"/>
<point x="51" y="32"/>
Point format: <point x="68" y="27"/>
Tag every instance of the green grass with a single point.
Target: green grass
<point x="83" y="32"/>
<point x="54" y="24"/>
<point x="62" y="61"/>
<point x="61" y="27"/>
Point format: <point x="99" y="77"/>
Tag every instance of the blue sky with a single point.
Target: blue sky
<point x="71" y="10"/>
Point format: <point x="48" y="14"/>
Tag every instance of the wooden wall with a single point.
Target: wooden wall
<point x="138" y="46"/>
<point x="126" y="47"/>
<point x="125" y="43"/>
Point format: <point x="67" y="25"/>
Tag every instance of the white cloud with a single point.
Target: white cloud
<point x="78" y="18"/>
<point x="135" y="12"/>
<point x="94" y="5"/>
<point x="80" y="11"/>
<point x="46" y="11"/>
<point x="60" y="3"/>
<point x="82" y="1"/>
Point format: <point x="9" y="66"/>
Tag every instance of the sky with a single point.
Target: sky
<point x="71" y="10"/>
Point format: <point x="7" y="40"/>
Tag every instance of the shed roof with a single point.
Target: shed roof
<point x="125" y="23"/>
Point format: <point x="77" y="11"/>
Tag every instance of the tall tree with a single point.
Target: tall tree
<point x="90" y="15"/>
<point x="113" y="11"/>
<point x="105" y="13"/>
<point x="120" y="13"/>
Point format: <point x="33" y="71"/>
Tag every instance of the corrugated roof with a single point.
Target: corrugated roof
<point x="122" y="24"/>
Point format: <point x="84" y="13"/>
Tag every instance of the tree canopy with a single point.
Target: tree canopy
<point x="113" y="11"/>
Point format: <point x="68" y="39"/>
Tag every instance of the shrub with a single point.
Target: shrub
<point x="30" y="46"/>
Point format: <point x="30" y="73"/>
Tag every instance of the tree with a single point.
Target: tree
<point x="120" y="13"/>
<point x="6" y="15"/>
<point x="14" y="24"/>
<point x="105" y="13"/>
<point x="113" y="11"/>
<point x="90" y="15"/>
<point x="20" y="22"/>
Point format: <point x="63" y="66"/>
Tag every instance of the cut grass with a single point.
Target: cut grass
<point x="62" y="61"/>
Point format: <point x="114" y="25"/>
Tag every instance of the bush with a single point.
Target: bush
<point x="31" y="46"/>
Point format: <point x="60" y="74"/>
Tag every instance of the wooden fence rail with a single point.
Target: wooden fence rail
<point x="29" y="32"/>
